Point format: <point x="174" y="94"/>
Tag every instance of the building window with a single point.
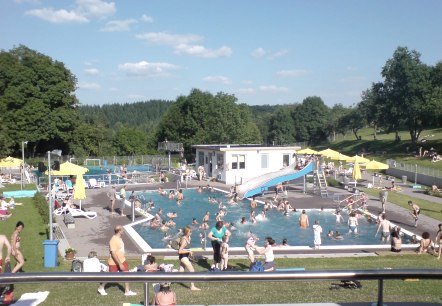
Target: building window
<point x="200" y="158"/>
<point x="264" y="161"/>
<point x="285" y="160"/>
<point x="220" y="161"/>
<point x="238" y="161"/>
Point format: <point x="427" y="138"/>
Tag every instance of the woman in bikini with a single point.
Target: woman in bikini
<point x="15" y="243"/>
<point x="303" y="220"/>
<point x="184" y="253"/>
<point x="425" y="243"/>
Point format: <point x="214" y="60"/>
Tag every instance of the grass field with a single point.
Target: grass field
<point x="385" y="147"/>
<point x="225" y="293"/>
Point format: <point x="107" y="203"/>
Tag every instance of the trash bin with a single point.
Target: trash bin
<point x="50" y="253"/>
<point x="404" y="179"/>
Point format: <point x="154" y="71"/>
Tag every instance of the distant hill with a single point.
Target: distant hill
<point x="145" y="114"/>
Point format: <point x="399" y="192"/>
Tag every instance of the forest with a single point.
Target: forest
<point x="38" y="105"/>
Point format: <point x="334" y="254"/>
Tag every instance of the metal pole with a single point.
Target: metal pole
<point x="380" y="292"/>
<point x="133" y="212"/>
<point x="415" y="176"/>
<point x="22" y="174"/>
<point x="146" y="294"/>
<point x="50" y="196"/>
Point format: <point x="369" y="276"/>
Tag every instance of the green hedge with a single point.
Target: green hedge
<point x="42" y="207"/>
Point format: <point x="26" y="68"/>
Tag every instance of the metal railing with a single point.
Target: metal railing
<point x="146" y="278"/>
<point x="414" y="168"/>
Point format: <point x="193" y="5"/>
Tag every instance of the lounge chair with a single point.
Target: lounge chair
<point x="75" y="212"/>
<point x="93" y="183"/>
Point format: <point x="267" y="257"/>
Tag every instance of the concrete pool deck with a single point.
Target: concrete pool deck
<point x="95" y="234"/>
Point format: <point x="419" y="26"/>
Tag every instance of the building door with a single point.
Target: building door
<point x="209" y="172"/>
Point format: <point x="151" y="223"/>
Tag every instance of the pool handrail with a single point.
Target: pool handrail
<point x="146" y="278"/>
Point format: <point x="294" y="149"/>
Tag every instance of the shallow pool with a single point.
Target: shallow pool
<point x="275" y="225"/>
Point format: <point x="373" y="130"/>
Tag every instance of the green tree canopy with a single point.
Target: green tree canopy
<point x="203" y="118"/>
<point x="36" y="100"/>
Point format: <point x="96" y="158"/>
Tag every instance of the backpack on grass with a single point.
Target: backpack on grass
<point x="77" y="265"/>
<point x="257" y="266"/>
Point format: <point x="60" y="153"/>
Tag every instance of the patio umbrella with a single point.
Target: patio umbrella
<point x="79" y="189"/>
<point x="10" y="162"/>
<point x="340" y="156"/>
<point x="68" y="168"/>
<point x="375" y="165"/>
<point x="329" y="153"/>
<point x="307" y="151"/>
<point x="357" y="159"/>
<point x="356" y="173"/>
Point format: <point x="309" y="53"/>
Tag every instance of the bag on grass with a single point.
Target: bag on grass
<point x="77" y="265"/>
<point x="257" y="266"/>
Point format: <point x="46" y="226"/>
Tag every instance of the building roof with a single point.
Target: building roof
<point x="236" y="147"/>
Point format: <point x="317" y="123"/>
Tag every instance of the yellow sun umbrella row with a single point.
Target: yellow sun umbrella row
<point x="335" y="155"/>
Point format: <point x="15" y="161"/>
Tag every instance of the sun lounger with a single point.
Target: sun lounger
<point x="75" y="212"/>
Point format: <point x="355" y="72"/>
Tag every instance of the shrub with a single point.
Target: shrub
<point x="42" y="207"/>
<point x="332" y="182"/>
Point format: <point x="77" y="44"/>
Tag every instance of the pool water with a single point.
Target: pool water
<point x="275" y="225"/>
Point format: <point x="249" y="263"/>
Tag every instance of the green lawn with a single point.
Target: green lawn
<point x="391" y="149"/>
<point x="430" y="209"/>
<point x="226" y="293"/>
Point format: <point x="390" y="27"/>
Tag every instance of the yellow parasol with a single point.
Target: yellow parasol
<point x="68" y="168"/>
<point x="340" y="156"/>
<point x="356" y="174"/>
<point x="80" y="188"/>
<point x="307" y="151"/>
<point x="375" y="165"/>
<point x="329" y="153"/>
<point x="10" y="162"/>
<point x="357" y="159"/>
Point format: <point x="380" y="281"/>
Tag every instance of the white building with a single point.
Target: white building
<point x="235" y="163"/>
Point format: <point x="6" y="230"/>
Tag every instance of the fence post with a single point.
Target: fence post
<point x="380" y="292"/>
<point x="146" y="294"/>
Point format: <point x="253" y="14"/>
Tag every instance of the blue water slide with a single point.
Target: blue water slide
<point x="263" y="182"/>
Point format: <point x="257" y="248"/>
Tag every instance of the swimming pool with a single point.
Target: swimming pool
<point x="276" y="225"/>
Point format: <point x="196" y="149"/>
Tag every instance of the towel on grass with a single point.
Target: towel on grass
<point x="32" y="298"/>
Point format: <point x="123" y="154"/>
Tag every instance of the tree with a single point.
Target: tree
<point x="281" y="127"/>
<point x="130" y="141"/>
<point x="202" y="117"/>
<point x="373" y="106"/>
<point x="411" y="99"/>
<point x="36" y="100"/>
<point x="354" y="120"/>
<point x="310" y="119"/>
<point x="336" y="113"/>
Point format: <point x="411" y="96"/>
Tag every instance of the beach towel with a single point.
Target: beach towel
<point x="32" y="298"/>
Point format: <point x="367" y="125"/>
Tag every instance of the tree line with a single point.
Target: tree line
<point x="38" y="105"/>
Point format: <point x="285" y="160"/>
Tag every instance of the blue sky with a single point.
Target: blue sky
<point x="263" y="52"/>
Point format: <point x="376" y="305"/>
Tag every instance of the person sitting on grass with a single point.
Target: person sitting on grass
<point x="164" y="296"/>
<point x="425" y="243"/>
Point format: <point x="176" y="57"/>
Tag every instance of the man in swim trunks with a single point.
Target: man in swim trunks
<point x="386" y="228"/>
<point x="117" y="261"/>
<point x="303" y="220"/>
<point x="415" y="213"/>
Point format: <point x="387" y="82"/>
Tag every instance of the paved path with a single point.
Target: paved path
<point x="95" y="234"/>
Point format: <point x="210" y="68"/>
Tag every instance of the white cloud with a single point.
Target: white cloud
<point x="89" y="86"/>
<point x="113" y="89"/>
<point x="59" y="16"/>
<point x="95" y="8"/>
<point x="83" y="11"/>
<point x="185" y="44"/>
<point x="146" y="18"/>
<point x="217" y="79"/>
<point x="91" y="71"/>
<point x="351" y="68"/>
<point x="144" y="68"/>
<point x="278" y="54"/>
<point x="292" y="73"/>
<point x="273" y="88"/>
<point x="118" y="25"/>
<point x="202" y="51"/>
<point x="247" y="90"/>
<point x="258" y="53"/>
<point x="169" y="39"/>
